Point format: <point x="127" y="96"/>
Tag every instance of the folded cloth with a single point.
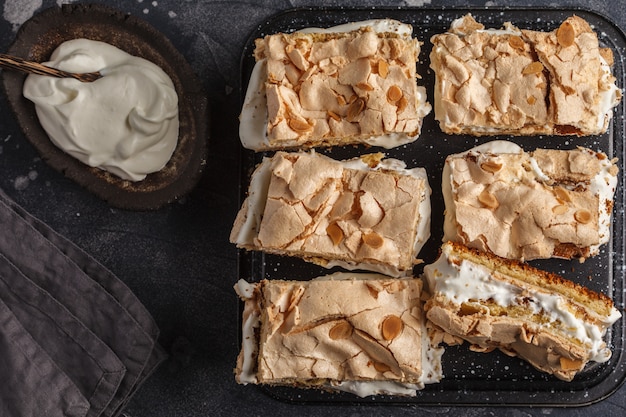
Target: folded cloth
<point x="112" y="284"/>
<point x="32" y="384"/>
<point x="81" y="355"/>
<point x="90" y="292"/>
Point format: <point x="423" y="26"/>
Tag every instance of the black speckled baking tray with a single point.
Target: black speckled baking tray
<point x="470" y="378"/>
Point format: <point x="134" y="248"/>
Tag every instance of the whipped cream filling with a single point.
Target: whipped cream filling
<point x="460" y="281"/>
<point x="431" y="354"/>
<point x="251" y="321"/>
<point x="125" y="122"/>
<point x="610" y="95"/>
<point x="603" y="185"/>
<point x="257" y="197"/>
<point x="253" y="117"/>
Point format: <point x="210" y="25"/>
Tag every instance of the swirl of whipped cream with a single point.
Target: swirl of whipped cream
<point x="125" y="122"/>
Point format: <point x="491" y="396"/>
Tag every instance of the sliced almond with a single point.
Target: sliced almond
<point x="394" y="93"/>
<point x="355" y="108"/>
<point x="402" y="103"/>
<point x="562" y="195"/>
<point x="582" y="216"/>
<point x="381" y="367"/>
<point x="391" y="327"/>
<point x="491" y="166"/>
<point x="516" y="42"/>
<point x="299" y="125"/>
<point x="373" y="291"/>
<point x="335" y="233"/>
<point x="568" y="364"/>
<point x="560" y="209"/>
<point x="565" y="34"/>
<point x="383" y="68"/>
<point x="533" y="68"/>
<point x="340" y="331"/>
<point x="488" y="200"/>
<point x="333" y="115"/>
<point x="364" y="86"/>
<point x="373" y="240"/>
<point x="376" y="351"/>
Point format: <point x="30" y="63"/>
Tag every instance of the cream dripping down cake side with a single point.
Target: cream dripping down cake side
<point x="494" y="303"/>
<point x="360" y="333"/>
<point x="529" y="205"/>
<point x="351" y="84"/>
<point x="522" y="82"/>
<point x="367" y="213"/>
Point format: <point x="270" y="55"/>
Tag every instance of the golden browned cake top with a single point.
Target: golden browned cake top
<point x="361" y="333"/>
<point x="572" y="55"/>
<point x="341" y="330"/>
<point x="326" y="210"/>
<point x="522" y="82"/>
<point x="337" y="88"/>
<point x="487" y="81"/>
<point x="529" y="205"/>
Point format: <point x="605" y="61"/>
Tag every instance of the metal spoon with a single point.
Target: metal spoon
<point x="19" y="64"/>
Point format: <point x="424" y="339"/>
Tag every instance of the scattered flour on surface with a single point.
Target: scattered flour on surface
<point x="21" y="183"/>
<point x="62" y="2"/>
<point x="17" y="12"/>
<point x="416" y="3"/>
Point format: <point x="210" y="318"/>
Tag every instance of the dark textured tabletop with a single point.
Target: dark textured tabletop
<point x="177" y="259"/>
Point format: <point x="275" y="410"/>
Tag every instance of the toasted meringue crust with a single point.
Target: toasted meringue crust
<point x="362" y="213"/>
<point x="554" y="324"/>
<point x="334" y="88"/>
<point x="342" y="329"/>
<point x="518" y="205"/>
<point x="522" y="82"/>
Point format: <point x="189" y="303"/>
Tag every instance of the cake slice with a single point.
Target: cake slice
<point x="346" y="85"/>
<point x="554" y="324"/>
<point x="366" y="213"/>
<point x="522" y="82"/>
<point x="360" y="333"/>
<point x="529" y="205"/>
<point x="582" y="88"/>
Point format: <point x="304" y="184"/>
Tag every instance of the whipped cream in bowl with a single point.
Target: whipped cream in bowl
<point x="125" y="123"/>
<point x="137" y="137"/>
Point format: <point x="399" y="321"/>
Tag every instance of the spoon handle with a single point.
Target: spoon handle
<point x="19" y="64"/>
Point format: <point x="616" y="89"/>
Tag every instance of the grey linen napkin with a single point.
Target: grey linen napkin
<point x="89" y="292"/>
<point x="80" y="354"/>
<point x="33" y="385"/>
